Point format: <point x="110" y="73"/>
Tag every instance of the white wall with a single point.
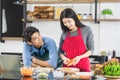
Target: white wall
<point x="11" y="46"/>
<point x="106" y="34"/>
<point x="109" y="37"/>
<point x="109" y="31"/>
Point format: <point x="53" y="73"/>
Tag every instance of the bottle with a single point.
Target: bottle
<point x="109" y="55"/>
<point x="57" y="12"/>
<point x="79" y="16"/>
<point x="114" y="54"/>
<point x="84" y="16"/>
<point x="89" y="16"/>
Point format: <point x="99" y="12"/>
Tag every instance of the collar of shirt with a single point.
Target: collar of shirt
<point x="39" y="51"/>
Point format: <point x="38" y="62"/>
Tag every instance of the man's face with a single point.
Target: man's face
<point x="36" y="40"/>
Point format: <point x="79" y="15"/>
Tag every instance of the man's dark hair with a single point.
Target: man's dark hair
<point x="28" y="32"/>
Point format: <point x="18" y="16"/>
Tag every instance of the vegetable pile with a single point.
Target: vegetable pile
<point x="112" y="68"/>
<point x="109" y="68"/>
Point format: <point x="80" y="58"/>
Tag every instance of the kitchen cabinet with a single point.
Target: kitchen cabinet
<point x="1" y="21"/>
<point x="10" y="20"/>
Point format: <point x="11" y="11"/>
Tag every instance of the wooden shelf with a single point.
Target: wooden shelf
<point x="12" y="38"/>
<point x="86" y="19"/>
<point x="19" y="3"/>
<point x="80" y="20"/>
<point x="60" y="2"/>
<point x="30" y="20"/>
<point x="71" y="1"/>
<point x="109" y="1"/>
<point x="110" y="20"/>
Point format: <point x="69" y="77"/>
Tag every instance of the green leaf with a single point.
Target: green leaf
<point x="107" y="11"/>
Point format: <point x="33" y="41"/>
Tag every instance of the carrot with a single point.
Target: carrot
<point x="99" y="66"/>
<point x="84" y="77"/>
<point x="70" y="63"/>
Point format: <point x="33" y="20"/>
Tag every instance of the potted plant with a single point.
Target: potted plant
<point x="107" y="13"/>
<point x="103" y="53"/>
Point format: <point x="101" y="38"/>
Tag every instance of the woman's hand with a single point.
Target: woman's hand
<point x="76" y="60"/>
<point x="66" y="60"/>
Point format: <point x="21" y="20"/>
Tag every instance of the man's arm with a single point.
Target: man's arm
<point x="53" y="56"/>
<point x="26" y="55"/>
<point x="37" y="62"/>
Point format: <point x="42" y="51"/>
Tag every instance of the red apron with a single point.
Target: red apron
<point x="74" y="46"/>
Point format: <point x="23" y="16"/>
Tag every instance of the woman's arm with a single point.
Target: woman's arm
<point x="78" y="58"/>
<point x="86" y="54"/>
<point x="90" y="40"/>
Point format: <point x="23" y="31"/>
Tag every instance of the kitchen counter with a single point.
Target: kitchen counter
<point x="17" y="76"/>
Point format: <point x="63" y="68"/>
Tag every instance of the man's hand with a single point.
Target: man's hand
<point x="34" y="60"/>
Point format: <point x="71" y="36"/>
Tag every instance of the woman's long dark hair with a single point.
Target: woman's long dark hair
<point x="69" y="13"/>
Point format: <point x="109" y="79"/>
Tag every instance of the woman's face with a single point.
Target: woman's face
<point x="36" y="40"/>
<point x="69" y="23"/>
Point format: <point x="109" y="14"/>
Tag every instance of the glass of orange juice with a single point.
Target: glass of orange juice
<point x="26" y="71"/>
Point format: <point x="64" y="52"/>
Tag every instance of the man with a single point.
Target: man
<point x="38" y="50"/>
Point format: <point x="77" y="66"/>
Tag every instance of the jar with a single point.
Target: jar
<point x="79" y="16"/>
<point x="90" y="16"/>
<point x="84" y="16"/>
<point x="57" y="12"/>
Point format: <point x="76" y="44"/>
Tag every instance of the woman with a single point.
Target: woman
<point x="76" y="43"/>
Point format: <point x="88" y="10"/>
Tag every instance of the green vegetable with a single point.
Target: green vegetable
<point x="112" y="69"/>
<point x="43" y="75"/>
<point x="107" y="11"/>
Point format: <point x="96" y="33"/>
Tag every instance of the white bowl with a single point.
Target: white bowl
<point x="58" y="74"/>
